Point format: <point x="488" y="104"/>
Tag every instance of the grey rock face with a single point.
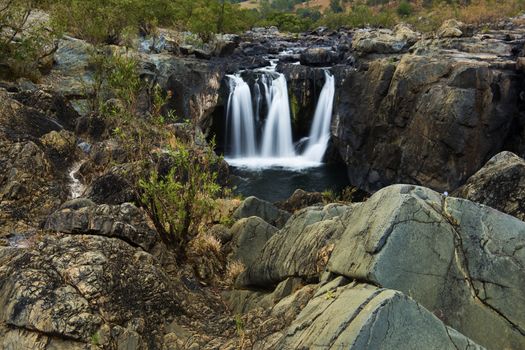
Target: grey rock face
<point x="431" y="118"/>
<point x="461" y="260"/>
<point x="300" y="249"/>
<point x="500" y="184"/>
<point x="384" y="41"/>
<point x="249" y="236"/>
<point x="360" y="316"/>
<point x="253" y="206"/>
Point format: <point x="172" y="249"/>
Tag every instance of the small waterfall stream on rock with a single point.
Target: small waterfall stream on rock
<point x="259" y="138"/>
<point x="77" y="188"/>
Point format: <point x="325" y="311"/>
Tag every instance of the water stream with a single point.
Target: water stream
<point x="77" y="188"/>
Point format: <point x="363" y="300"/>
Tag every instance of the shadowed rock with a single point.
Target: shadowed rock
<point x="500" y="184"/>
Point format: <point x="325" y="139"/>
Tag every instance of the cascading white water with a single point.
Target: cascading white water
<point x="320" y="130"/>
<point x="240" y="118"/>
<point x="277" y="135"/>
<point x="277" y="147"/>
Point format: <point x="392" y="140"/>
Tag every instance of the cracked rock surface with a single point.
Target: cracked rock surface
<point x="77" y="288"/>
<point x="300" y="249"/>
<point x="462" y="261"/>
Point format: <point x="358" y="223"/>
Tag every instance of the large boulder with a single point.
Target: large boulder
<point x="320" y="57"/>
<point x="361" y="316"/>
<point x="249" y="236"/>
<point x="253" y="206"/>
<point x="116" y="186"/>
<point x="21" y="122"/>
<point x="301" y="249"/>
<point x="30" y="187"/>
<point x="462" y="261"/>
<point x="500" y="184"/>
<point x="451" y="29"/>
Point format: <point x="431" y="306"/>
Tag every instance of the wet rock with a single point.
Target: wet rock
<point x="60" y="147"/>
<point x="253" y="206"/>
<point x="500" y="184"/>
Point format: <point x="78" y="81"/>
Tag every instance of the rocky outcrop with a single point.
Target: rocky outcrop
<point x="125" y="222"/>
<point x="451" y="29"/>
<point x="500" y="184"/>
<point x="384" y="41"/>
<point x="460" y="260"/>
<point x="115" y="186"/>
<point x="431" y="118"/>
<point x="22" y="122"/>
<point x="81" y="290"/>
<point x="320" y="57"/>
<point x="253" y="206"/>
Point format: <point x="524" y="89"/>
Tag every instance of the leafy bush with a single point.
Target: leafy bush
<point x="404" y="9"/>
<point x="179" y="201"/>
<point x="111" y="21"/>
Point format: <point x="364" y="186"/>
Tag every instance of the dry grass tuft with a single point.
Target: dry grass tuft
<point x="233" y="270"/>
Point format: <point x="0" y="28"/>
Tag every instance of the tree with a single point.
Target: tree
<point x="335" y="6"/>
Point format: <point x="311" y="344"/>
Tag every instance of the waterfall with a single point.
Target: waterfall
<point x="240" y="118"/>
<point x="320" y="130"/>
<point x="277" y="134"/>
<point x="276" y="146"/>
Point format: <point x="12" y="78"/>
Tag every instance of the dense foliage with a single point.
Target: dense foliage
<point x="117" y="21"/>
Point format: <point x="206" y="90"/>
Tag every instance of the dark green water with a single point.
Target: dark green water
<point x="275" y="184"/>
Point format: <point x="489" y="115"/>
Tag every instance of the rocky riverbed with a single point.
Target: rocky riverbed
<point x="409" y="267"/>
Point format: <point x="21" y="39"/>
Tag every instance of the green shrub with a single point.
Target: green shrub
<point x="26" y="40"/>
<point x="179" y="201"/>
<point x="404" y="9"/>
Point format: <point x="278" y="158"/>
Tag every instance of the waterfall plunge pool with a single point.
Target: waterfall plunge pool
<point x="278" y="183"/>
<point x="265" y="161"/>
